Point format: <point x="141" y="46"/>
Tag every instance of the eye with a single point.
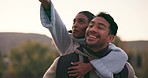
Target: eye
<point x="101" y="27"/>
<point x="81" y="21"/>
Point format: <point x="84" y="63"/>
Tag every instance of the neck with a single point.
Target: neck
<point x="97" y="54"/>
<point x="81" y="40"/>
<point x="97" y="48"/>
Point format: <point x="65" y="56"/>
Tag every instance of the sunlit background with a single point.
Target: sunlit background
<point x="29" y="55"/>
<point x="23" y="15"/>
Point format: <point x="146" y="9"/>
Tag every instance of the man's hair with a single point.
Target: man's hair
<point x="88" y="14"/>
<point x="113" y="26"/>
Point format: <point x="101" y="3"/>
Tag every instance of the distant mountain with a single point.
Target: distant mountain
<point x="12" y="40"/>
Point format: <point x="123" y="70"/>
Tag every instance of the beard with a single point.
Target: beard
<point x="96" y="46"/>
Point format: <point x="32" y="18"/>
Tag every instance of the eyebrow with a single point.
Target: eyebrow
<point x="81" y="18"/>
<point x="98" y="23"/>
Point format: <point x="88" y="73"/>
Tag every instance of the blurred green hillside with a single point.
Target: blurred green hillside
<point x="137" y="52"/>
<point x="28" y="55"/>
<point x="25" y="55"/>
<point x="138" y="56"/>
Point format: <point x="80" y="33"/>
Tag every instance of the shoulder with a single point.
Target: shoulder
<point x="117" y="52"/>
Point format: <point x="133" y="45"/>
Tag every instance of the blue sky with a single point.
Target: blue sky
<point x="23" y="15"/>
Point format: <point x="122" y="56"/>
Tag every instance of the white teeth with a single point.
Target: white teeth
<point x="92" y="36"/>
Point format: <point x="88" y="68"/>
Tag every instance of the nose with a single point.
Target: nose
<point x="94" y="29"/>
<point x="75" y="25"/>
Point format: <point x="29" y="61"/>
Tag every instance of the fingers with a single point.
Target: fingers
<point x="75" y="70"/>
<point x="74" y="73"/>
<point x="72" y="70"/>
<point x="42" y="0"/>
<point x="46" y="4"/>
<point x="75" y="63"/>
<point x="79" y="76"/>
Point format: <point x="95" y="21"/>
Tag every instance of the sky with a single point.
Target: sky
<point x="23" y="16"/>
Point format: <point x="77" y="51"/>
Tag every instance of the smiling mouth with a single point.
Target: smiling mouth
<point x="92" y="36"/>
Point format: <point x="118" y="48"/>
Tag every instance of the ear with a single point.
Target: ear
<point x="111" y="38"/>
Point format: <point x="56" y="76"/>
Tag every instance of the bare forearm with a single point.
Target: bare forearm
<point x="46" y="3"/>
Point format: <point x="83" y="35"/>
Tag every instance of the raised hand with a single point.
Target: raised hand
<point x="45" y="3"/>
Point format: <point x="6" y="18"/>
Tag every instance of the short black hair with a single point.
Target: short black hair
<point x="113" y="26"/>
